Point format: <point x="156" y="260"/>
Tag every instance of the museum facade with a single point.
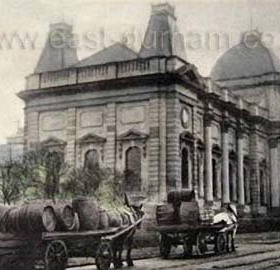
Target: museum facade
<point x="152" y="115"/>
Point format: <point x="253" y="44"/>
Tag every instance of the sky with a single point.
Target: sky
<point x="209" y="28"/>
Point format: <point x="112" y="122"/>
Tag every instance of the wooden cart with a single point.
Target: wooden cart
<point x="51" y="251"/>
<point x="200" y="236"/>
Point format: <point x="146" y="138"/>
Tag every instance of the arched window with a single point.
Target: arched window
<point x="200" y="173"/>
<point x="133" y="169"/>
<point x="247" y="185"/>
<point x="185" y="168"/>
<point x="54" y="161"/>
<point x="262" y="187"/>
<point x="263" y="184"/>
<point x="91" y="160"/>
<point x="232" y="183"/>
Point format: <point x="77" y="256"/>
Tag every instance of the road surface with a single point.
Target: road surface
<point x="250" y="257"/>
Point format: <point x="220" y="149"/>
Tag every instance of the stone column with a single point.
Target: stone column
<point x="71" y="136"/>
<point x="255" y="174"/>
<point x="173" y="159"/>
<point x="25" y="130"/>
<point x="157" y="149"/>
<point x="240" y="169"/>
<point x="274" y="172"/>
<point x="162" y="149"/>
<point x="110" y="146"/>
<point x="208" y="158"/>
<point x="225" y="163"/>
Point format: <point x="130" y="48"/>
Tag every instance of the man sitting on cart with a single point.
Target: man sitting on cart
<point x="229" y="217"/>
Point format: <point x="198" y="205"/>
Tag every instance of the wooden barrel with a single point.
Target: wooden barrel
<point x="165" y="214"/>
<point x="3" y="210"/>
<point x="88" y="212"/>
<point x="64" y="213"/>
<point x="115" y="219"/>
<point x="189" y="213"/>
<point x="65" y="216"/>
<point x="76" y="225"/>
<point x="49" y="218"/>
<point x="103" y="220"/>
<point x="30" y="218"/>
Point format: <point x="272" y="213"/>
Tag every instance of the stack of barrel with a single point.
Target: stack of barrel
<point x="181" y="208"/>
<point x="21" y="226"/>
<point x="82" y="214"/>
<point x="37" y="217"/>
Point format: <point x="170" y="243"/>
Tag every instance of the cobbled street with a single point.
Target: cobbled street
<point x="248" y="256"/>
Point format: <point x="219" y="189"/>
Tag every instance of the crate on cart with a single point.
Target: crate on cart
<point x="181" y="221"/>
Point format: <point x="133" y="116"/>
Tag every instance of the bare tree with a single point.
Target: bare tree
<point x="12" y="183"/>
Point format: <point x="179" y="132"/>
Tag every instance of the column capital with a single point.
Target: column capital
<point x="273" y="142"/>
<point x="225" y="125"/>
<point x="208" y="118"/>
<point x="240" y="131"/>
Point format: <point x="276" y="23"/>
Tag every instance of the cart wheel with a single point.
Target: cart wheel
<point x="230" y="242"/>
<point x="56" y="256"/>
<point x="164" y="246"/>
<point x="188" y="248"/>
<point x="220" y="243"/>
<point x="104" y="256"/>
<point x="201" y="245"/>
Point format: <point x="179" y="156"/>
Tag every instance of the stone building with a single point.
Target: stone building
<point x="13" y="149"/>
<point x="151" y="115"/>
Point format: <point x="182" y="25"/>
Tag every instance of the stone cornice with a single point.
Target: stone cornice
<point x="155" y="71"/>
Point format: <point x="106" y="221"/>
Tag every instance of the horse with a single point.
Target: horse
<point x="128" y="218"/>
<point x="229" y="217"/>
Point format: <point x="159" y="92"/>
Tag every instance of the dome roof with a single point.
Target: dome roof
<point x="248" y="59"/>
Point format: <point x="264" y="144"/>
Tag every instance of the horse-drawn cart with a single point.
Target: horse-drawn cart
<point x="51" y="250"/>
<point x="181" y="221"/>
<point x="200" y="236"/>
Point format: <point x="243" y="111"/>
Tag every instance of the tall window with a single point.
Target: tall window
<point x="54" y="161"/>
<point x="262" y="187"/>
<point x="215" y="176"/>
<point x="232" y="183"/>
<point x="247" y="185"/>
<point x="91" y="160"/>
<point x="200" y="173"/>
<point x="133" y="169"/>
<point x="185" y="168"/>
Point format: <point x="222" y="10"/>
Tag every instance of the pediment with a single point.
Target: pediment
<point x="91" y="138"/>
<point x="53" y="141"/>
<point x="133" y="135"/>
<point x="190" y="73"/>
